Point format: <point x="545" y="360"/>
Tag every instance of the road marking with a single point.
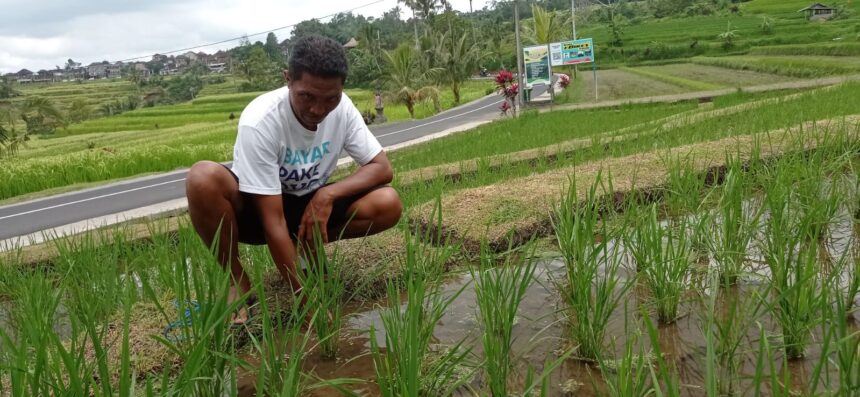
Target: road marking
<point x="90" y="199"/>
<point x="182" y="179"/>
<point x="436" y="121"/>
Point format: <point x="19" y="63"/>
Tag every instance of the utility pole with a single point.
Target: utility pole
<point x="573" y="22"/>
<point x="520" y="86"/>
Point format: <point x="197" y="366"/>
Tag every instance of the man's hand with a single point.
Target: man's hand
<point x="316" y="213"/>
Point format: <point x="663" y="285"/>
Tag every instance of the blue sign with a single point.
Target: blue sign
<point x="571" y="52"/>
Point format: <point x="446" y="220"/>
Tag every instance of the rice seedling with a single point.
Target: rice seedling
<point x="326" y="285"/>
<point x="844" y="336"/>
<point x="663" y="254"/>
<point x="593" y="287"/>
<point x="283" y="345"/>
<point x="767" y="372"/>
<point x="499" y="291"/>
<point x="402" y="365"/>
<point x="727" y="314"/>
<point x="45" y="351"/>
<point x="683" y="192"/>
<point x="630" y="374"/>
<point x="204" y="342"/>
<point x="664" y="377"/>
<point x="796" y="277"/>
<point x="733" y="225"/>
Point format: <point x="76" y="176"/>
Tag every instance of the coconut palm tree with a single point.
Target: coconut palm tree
<point x="406" y="75"/>
<point x="423" y="9"/>
<point x="9" y="139"/>
<point x="546" y="26"/>
<point x="41" y="115"/>
<point x="458" y="58"/>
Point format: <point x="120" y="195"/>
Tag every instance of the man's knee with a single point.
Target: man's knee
<point x="388" y="204"/>
<point x="203" y="179"/>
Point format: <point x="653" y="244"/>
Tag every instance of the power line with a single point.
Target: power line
<point x="251" y="35"/>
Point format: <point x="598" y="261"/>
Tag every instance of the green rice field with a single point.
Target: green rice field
<point x="688" y="248"/>
<point x="727" y="283"/>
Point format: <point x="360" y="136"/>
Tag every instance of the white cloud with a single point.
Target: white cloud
<point x="47" y="32"/>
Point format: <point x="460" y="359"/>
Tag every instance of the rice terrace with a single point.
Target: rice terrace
<point x="599" y="198"/>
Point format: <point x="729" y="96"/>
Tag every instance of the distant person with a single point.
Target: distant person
<point x="276" y="192"/>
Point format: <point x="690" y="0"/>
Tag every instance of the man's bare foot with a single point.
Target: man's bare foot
<point x="241" y="315"/>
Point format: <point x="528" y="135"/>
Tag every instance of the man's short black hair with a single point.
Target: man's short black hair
<point x="319" y="56"/>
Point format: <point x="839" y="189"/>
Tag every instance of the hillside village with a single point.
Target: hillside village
<point x="159" y="64"/>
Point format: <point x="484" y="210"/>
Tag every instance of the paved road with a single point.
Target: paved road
<point x="33" y="216"/>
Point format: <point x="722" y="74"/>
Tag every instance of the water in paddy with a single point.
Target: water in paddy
<point x="540" y="334"/>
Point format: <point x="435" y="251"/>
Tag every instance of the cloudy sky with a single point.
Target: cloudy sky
<point x="42" y="34"/>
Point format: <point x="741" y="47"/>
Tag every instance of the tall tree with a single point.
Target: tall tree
<point x="546" y="26"/>
<point x="70" y="64"/>
<point x="259" y="71"/>
<point x="409" y="82"/>
<point x="273" y="48"/>
<point x="459" y="58"/>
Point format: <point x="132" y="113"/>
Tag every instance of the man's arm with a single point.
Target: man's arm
<point x="375" y="173"/>
<point x="278" y="239"/>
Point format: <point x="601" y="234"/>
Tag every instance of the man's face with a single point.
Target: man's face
<point x="313" y="98"/>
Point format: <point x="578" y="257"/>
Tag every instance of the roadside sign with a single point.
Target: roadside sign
<point x="572" y="52"/>
<point x="537" y="68"/>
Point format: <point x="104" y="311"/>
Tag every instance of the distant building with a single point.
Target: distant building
<point x="190" y="55"/>
<point x="819" y="12"/>
<point x="114" y="71"/>
<point x="25" y="76"/>
<point x="97" y="70"/>
<point x="183" y="61"/>
<point x="141" y="68"/>
<point x="219" y="57"/>
<point x="43" y="76"/>
<point x="10" y="77"/>
<point x="59" y="75"/>
<point x="217" y="67"/>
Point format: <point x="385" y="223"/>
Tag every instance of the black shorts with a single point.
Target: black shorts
<point x="251" y="228"/>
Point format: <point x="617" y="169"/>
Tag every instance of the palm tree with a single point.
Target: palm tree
<point x="41" y="115"/>
<point x="547" y="26"/>
<point x="459" y="60"/>
<point x="7" y="90"/>
<point x="423" y="9"/>
<point x="9" y="139"/>
<point x="405" y="75"/>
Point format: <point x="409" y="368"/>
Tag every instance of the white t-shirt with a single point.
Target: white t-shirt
<point x="275" y="154"/>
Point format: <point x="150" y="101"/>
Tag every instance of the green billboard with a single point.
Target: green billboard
<point x="537" y="68"/>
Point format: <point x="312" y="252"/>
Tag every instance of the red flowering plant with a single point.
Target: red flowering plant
<point x="504" y="107"/>
<point x="563" y="81"/>
<point x="508" y="88"/>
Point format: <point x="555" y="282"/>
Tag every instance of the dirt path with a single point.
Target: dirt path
<point x="788" y="85"/>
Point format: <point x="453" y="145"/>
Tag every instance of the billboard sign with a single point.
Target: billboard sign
<point x="537" y="69"/>
<point x="572" y="52"/>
